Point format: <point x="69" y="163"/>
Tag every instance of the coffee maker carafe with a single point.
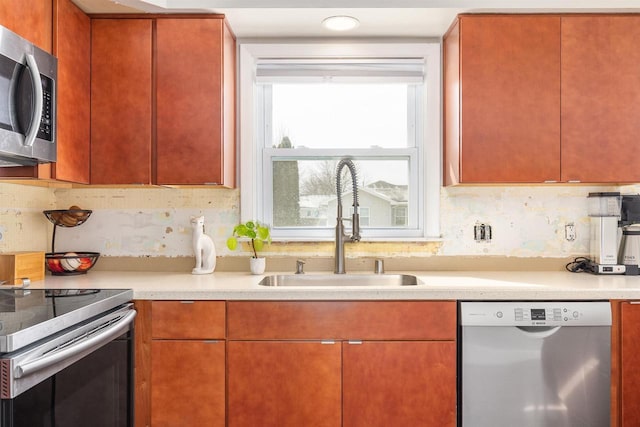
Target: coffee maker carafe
<point x="604" y="215"/>
<point x="629" y="251"/>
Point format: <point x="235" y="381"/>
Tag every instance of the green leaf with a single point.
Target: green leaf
<point x="232" y="243"/>
<point x="263" y="232"/>
<point x="240" y="230"/>
<point x="258" y="234"/>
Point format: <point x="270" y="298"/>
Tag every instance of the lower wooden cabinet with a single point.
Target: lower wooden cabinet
<point x="399" y="383"/>
<point x="371" y="383"/>
<point x="381" y="364"/>
<point x="187" y="383"/>
<point x="284" y="384"/>
<point x="629" y="387"/>
<point x="187" y="369"/>
<point x="296" y="363"/>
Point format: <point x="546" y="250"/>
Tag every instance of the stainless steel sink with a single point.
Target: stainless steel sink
<point x="336" y="280"/>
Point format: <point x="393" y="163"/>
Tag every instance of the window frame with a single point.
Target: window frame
<point x="251" y="127"/>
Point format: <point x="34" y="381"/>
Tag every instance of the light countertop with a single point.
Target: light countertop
<point x="442" y="285"/>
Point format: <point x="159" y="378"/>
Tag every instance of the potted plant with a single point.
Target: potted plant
<point x="257" y="234"/>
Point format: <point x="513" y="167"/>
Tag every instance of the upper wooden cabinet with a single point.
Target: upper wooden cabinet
<point x="31" y="19"/>
<point x="164" y="112"/>
<point x="195" y="102"/>
<point x="72" y="47"/>
<point x="502" y="99"/>
<point x="121" y="95"/>
<point x="535" y="98"/>
<point x="600" y="98"/>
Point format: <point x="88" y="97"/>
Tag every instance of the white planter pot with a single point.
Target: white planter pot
<point x="257" y="265"/>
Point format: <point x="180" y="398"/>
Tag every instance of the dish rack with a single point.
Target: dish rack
<point x="68" y="263"/>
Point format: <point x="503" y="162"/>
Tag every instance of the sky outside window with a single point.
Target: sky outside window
<point x="337" y="115"/>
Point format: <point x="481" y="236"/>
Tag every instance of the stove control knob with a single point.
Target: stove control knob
<point x="575" y="314"/>
<point x="499" y="315"/>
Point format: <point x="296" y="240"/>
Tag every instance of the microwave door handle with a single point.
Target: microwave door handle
<point x="87" y="345"/>
<point x="36" y="116"/>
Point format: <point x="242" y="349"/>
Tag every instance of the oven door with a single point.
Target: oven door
<point x="77" y="378"/>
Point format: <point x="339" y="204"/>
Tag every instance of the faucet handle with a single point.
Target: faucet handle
<point x="299" y="266"/>
<point x="355" y="228"/>
<point x="378" y="267"/>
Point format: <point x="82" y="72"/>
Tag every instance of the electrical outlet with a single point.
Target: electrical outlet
<point x="570" y="232"/>
<point x="482" y="232"/>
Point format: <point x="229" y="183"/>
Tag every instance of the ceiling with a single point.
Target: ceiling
<point x="301" y="18"/>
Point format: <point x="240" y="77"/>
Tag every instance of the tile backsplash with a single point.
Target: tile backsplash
<point x="526" y="221"/>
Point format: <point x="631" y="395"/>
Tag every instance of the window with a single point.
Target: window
<point x="399" y="214"/>
<point x="378" y="106"/>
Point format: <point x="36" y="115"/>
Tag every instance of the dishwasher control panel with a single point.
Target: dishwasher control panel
<point x="535" y="313"/>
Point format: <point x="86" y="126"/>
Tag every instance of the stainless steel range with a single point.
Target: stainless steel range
<point x="66" y="357"/>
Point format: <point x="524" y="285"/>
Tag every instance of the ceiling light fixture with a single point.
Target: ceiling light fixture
<point x="340" y="23"/>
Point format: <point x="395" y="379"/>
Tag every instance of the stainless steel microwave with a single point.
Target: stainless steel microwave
<point x="27" y="102"/>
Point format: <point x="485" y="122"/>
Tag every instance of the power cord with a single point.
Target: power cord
<point x="578" y="265"/>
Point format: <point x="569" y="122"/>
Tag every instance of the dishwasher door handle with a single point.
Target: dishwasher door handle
<point x="87" y="344"/>
<point x="539" y="331"/>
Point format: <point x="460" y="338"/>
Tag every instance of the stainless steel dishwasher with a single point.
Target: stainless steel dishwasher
<point x="535" y="364"/>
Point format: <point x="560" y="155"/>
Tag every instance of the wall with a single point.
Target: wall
<point x="527" y="222"/>
<point x="23" y="226"/>
<point x="150" y="221"/>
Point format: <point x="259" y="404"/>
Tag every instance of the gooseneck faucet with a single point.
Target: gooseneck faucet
<point x="341" y="236"/>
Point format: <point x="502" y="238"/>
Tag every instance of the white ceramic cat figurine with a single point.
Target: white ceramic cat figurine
<point x="203" y="248"/>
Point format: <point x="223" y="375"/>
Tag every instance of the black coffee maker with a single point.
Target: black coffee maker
<point x="629" y="249"/>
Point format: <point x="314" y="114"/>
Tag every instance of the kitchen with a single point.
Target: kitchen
<point x="130" y="228"/>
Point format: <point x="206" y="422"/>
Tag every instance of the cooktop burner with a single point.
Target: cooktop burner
<point x="28" y="315"/>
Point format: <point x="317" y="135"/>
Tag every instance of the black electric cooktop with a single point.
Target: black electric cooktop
<point x="29" y="315"/>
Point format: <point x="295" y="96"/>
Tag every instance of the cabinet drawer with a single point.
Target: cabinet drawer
<point x="187" y="319"/>
<point x="371" y="320"/>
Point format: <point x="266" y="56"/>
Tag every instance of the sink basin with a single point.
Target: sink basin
<point x="336" y="280"/>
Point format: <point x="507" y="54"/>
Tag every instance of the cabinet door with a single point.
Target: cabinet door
<point x="283" y="383"/>
<point x="630" y="361"/>
<point x="30" y="19"/>
<point x="72" y="47"/>
<point x="372" y="320"/>
<point x="600" y="98"/>
<point x="399" y="383"/>
<point x="190" y="113"/>
<point x="188" y="319"/>
<point x="121" y="71"/>
<point x="510" y="99"/>
<point x="187" y="383"/>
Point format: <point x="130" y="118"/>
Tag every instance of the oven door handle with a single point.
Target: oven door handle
<point x="86" y="345"/>
<point x="36" y="116"/>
